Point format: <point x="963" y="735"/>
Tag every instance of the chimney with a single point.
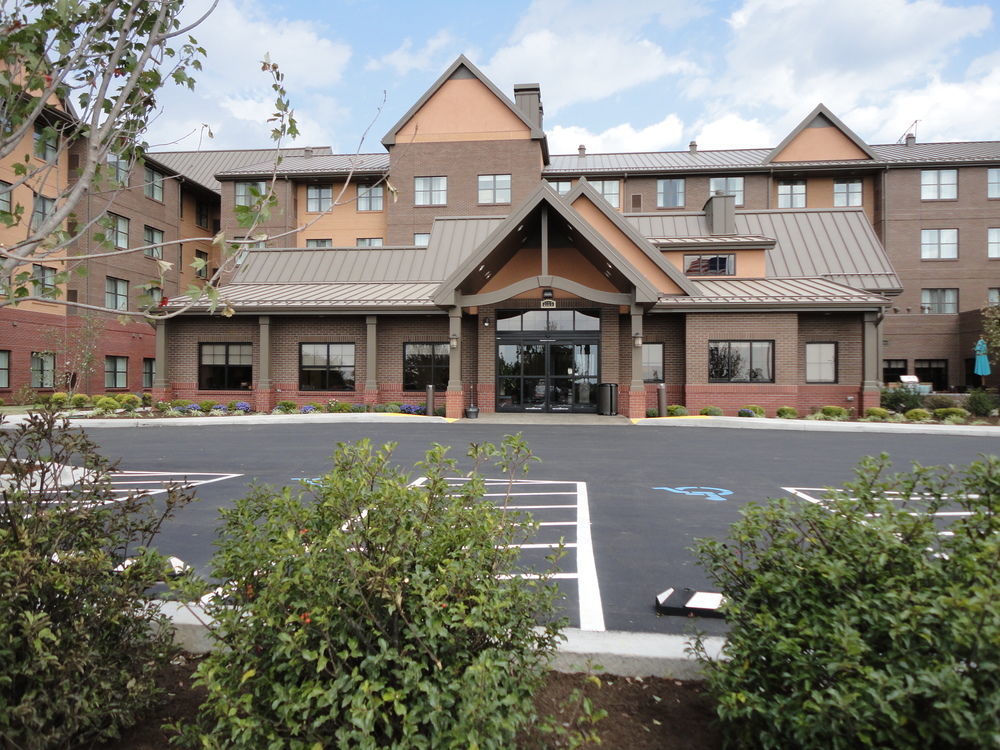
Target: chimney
<point x="720" y="213"/>
<point x="528" y="99"/>
<point x="582" y="150"/>
<point x="693" y="147"/>
<point x="911" y="138"/>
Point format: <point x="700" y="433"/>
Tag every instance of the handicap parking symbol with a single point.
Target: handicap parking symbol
<point x="709" y="493"/>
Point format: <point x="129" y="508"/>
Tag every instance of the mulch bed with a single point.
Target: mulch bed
<point x="643" y="712"/>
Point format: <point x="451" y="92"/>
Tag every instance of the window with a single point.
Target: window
<point x="319" y="197"/>
<point x="155" y="295"/>
<point x="993" y="183"/>
<point x="939" y="301"/>
<point x="326" y="367"/>
<point x="652" y="363"/>
<point x="4" y="368"/>
<point x="118" y="169"/>
<point x="225" y="367"/>
<point x="369" y="242"/>
<point x="938" y="243"/>
<point x="5" y="189"/>
<point x="933" y="371"/>
<point x="548" y="320"/>
<point x="201" y="214"/>
<point x="728" y="186"/>
<point x="608" y="190"/>
<point x="847" y="192"/>
<point x="46" y="142"/>
<point x="422" y="239"/>
<point x="42" y="210"/>
<point x="151" y="236"/>
<point x="43" y="279"/>
<point x="153" y="186"/>
<point x="938" y="184"/>
<point x="892" y="369"/>
<point x="248" y="193"/>
<point x="670" y="193"/>
<point x="430" y="191"/>
<point x="561" y="186"/>
<point x="148" y="372"/>
<point x="494" y="188"/>
<point x="710" y="265"/>
<point x="821" y="362"/>
<point x="424" y="365"/>
<point x="792" y="194"/>
<point x="993" y="295"/>
<point x="319" y="243"/>
<point x="43" y="369"/>
<point x="116" y="372"/>
<point x="993" y="242"/>
<point x="202" y="271"/>
<point x="243" y="246"/>
<point x="115" y="293"/>
<point x="118" y="231"/>
<point x="741" y="361"/>
<point x="369" y="197"/>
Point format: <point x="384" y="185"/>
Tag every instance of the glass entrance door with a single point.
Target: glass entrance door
<point x="547" y="375"/>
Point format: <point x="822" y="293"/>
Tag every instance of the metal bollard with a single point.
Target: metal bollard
<point x="661" y="399"/>
<point x="429" y="408"/>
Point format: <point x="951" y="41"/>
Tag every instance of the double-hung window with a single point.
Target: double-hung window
<point x="561" y="186"/>
<point x="153" y="238"/>
<point x="248" y="193"/>
<point x="993" y="242"/>
<point x="993" y="295"/>
<point x="148" y="372"/>
<point x="319" y="198"/>
<point x="201" y="213"/>
<point x="43" y="279"/>
<point x="939" y="301"/>
<point x="494" y="188"/>
<point x="4" y="368"/>
<point x="792" y="194"/>
<point x="370" y="197"/>
<point x="116" y="372"/>
<point x="369" y="242"/>
<point x="727" y="186"/>
<point x="326" y="367"/>
<point x="115" y="293"/>
<point x="821" y="362"/>
<point x="42" y="209"/>
<point x="425" y="364"/>
<point x="5" y="191"/>
<point x="847" y="192"/>
<point x="993" y="183"/>
<point x="202" y="270"/>
<point x="670" y="193"/>
<point x="430" y="191"/>
<point x="117" y="169"/>
<point x="609" y="190"/>
<point x="319" y="243"/>
<point x="225" y="367"/>
<point x="938" y="244"/>
<point x="652" y="363"/>
<point x="741" y="361"/>
<point x="118" y="231"/>
<point x="938" y="184"/>
<point x="153" y="186"/>
<point x="46" y="141"/>
<point x="43" y="369"/>
<point x="421" y="239"/>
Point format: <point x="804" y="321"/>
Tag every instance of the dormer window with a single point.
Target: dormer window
<point x="710" y="265"/>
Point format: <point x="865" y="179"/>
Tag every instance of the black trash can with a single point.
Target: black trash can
<point x="607" y="399"/>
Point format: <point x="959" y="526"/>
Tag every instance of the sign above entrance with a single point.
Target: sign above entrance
<point x="548" y="304"/>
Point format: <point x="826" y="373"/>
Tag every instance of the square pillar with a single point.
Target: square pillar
<point x="161" y="384"/>
<point x="635" y="407"/>
<point x="370" y="394"/>
<point x="454" y="398"/>
<point x="263" y="395"/>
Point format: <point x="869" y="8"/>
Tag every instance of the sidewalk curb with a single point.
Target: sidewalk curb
<point x="804" y="425"/>
<point x="615" y="652"/>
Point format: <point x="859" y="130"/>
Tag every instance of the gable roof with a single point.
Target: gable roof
<point x="462" y="67"/>
<point x="823" y="112"/>
<point x="202" y="166"/>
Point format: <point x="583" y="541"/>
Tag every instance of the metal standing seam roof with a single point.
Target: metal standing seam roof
<point x="787" y="291"/>
<point x="838" y="244"/>
<point x="304" y="166"/>
<point x="202" y="166"/>
<point x="308" y="296"/>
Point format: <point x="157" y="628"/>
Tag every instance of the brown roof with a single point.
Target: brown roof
<point x="794" y="292"/>
<point x="298" y="296"/>
<point x="202" y="166"/>
<point x="317" y="164"/>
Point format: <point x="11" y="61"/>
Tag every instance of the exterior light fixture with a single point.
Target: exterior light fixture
<point x="453" y="340"/>
<point x="486" y="322"/>
<point x="637" y="339"/>
<point x="547" y="294"/>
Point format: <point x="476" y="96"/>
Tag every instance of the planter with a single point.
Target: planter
<point x="472" y="412"/>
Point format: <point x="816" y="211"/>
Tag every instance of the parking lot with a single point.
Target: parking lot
<point x="627" y="501"/>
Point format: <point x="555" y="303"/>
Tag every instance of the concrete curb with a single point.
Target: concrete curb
<point x="805" y="425"/>
<point x="256" y="419"/>
<point x="615" y="652"/>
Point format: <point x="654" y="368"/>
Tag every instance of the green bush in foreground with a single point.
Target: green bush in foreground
<point x="711" y="411"/>
<point x="368" y="613"/>
<point x="877" y="413"/>
<point x="787" y="412"/>
<point x="953" y="412"/>
<point x="853" y="623"/>
<point x="79" y="643"/>
<point x="676" y="410"/>
<point x="981" y="403"/>
<point x="901" y="399"/>
<point x="834" y="412"/>
<point x="918" y="415"/>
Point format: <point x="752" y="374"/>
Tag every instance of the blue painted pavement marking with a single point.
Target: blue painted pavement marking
<point x="709" y="493"/>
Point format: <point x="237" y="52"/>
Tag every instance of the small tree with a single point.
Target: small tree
<point x="76" y="350"/>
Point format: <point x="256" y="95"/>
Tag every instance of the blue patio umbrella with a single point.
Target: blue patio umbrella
<point x="982" y="367"/>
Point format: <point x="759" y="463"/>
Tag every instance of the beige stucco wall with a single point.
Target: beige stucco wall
<point x="462" y="109"/>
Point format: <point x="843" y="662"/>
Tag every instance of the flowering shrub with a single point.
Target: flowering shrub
<point x="413" y="409"/>
<point x="220" y="407"/>
<point x="307" y="409"/>
<point x="746" y="412"/>
<point x="242" y="406"/>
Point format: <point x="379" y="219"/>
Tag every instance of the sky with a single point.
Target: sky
<point x="647" y="75"/>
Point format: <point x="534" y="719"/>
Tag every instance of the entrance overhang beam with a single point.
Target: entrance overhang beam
<point x="557" y="282"/>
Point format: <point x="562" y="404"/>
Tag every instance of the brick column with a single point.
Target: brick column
<point x="485" y="396"/>
<point x="370" y="394"/>
<point x="636" y="407"/>
<point x="263" y="394"/>
<point x="161" y="384"/>
<point x="454" y="398"/>
<point x="871" y="388"/>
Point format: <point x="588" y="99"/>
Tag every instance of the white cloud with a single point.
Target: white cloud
<point x="404" y="59"/>
<point x="659" y="136"/>
<point x="732" y="131"/>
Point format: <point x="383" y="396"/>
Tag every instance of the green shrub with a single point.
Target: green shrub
<point x="711" y="411"/>
<point x="129" y="401"/>
<point x="917" y="415"/>
<point x="79" y="400"/>
<point x="935" y="401"/>
<point x="339" y="407"/>
<point x="853" y="623"/>
<point x="876" y="412"/>
<point x="147" y="398"/>
<point x="951" y="412"/>
<point x="652" y="412"/>
<point x="758" y="410"/>
<point x="403" y="627"/>
<point x="206" y="406"/>
<point x="981" y="403"/>
<point x="2" y="402"/>
<point x="901" y="399"/>
<point x="59" y="399"/>
<point x="676" y="410"/>
<point x="180" y="403"/>
<point x="43" y="399"/>
<point x="787" y="412"/>
<point x="286" y="407"/>
<point x="439" y="411"/>
<point x="24" y="396"/>
<point x="106" y="404"/>
<point x="746" y="411"/>
<point x="81" y="646"/>
<point x="835" y="412"/>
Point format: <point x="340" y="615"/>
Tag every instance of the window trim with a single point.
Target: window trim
<point x="417" y="243"/>
<point x="322" y="201"/>
<point x="938" y="303"/>
<point x="367" y="195"/>
<point x="330" y="368"/>
<point x="750" y="380"/>
<point x="993" y="243"/>
<point x="228" y="387"/>
<point x="115" y="373"/>
<point x="369" y="242"/>
<point x="41" y="209"/>
<point x="432" y="344"/>
<point x="425" y="196"/>
<point x="242" y="195"/>
<point x="5" y="368"/>
<point x="117" y="298"/>
<point x="938" y="244"/>
<point x="600" y="190"/>
<point x="118" y="232"/>
<point x="152" y="186"/>
<point x="201" y="273"/>
<point x="993" y="183"/>
<point x="847" y="193"/>
<point x="493" y="190"/>
<point x="149" y="239"/>
<point x="937" y="184"/>
<point x="148" y="372"/>
<point x="836" y="362"/>
<point x="662" y="378"/>
<point x="43" y="278"/>
<point x="554" y="184"/>
<point x="739" y="195"/>
<point x="661" y="193"/>
<point x="789" y="196"/>
<point x="42" y="358"/>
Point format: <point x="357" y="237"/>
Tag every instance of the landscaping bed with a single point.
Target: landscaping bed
<point x="646" y="712"/>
